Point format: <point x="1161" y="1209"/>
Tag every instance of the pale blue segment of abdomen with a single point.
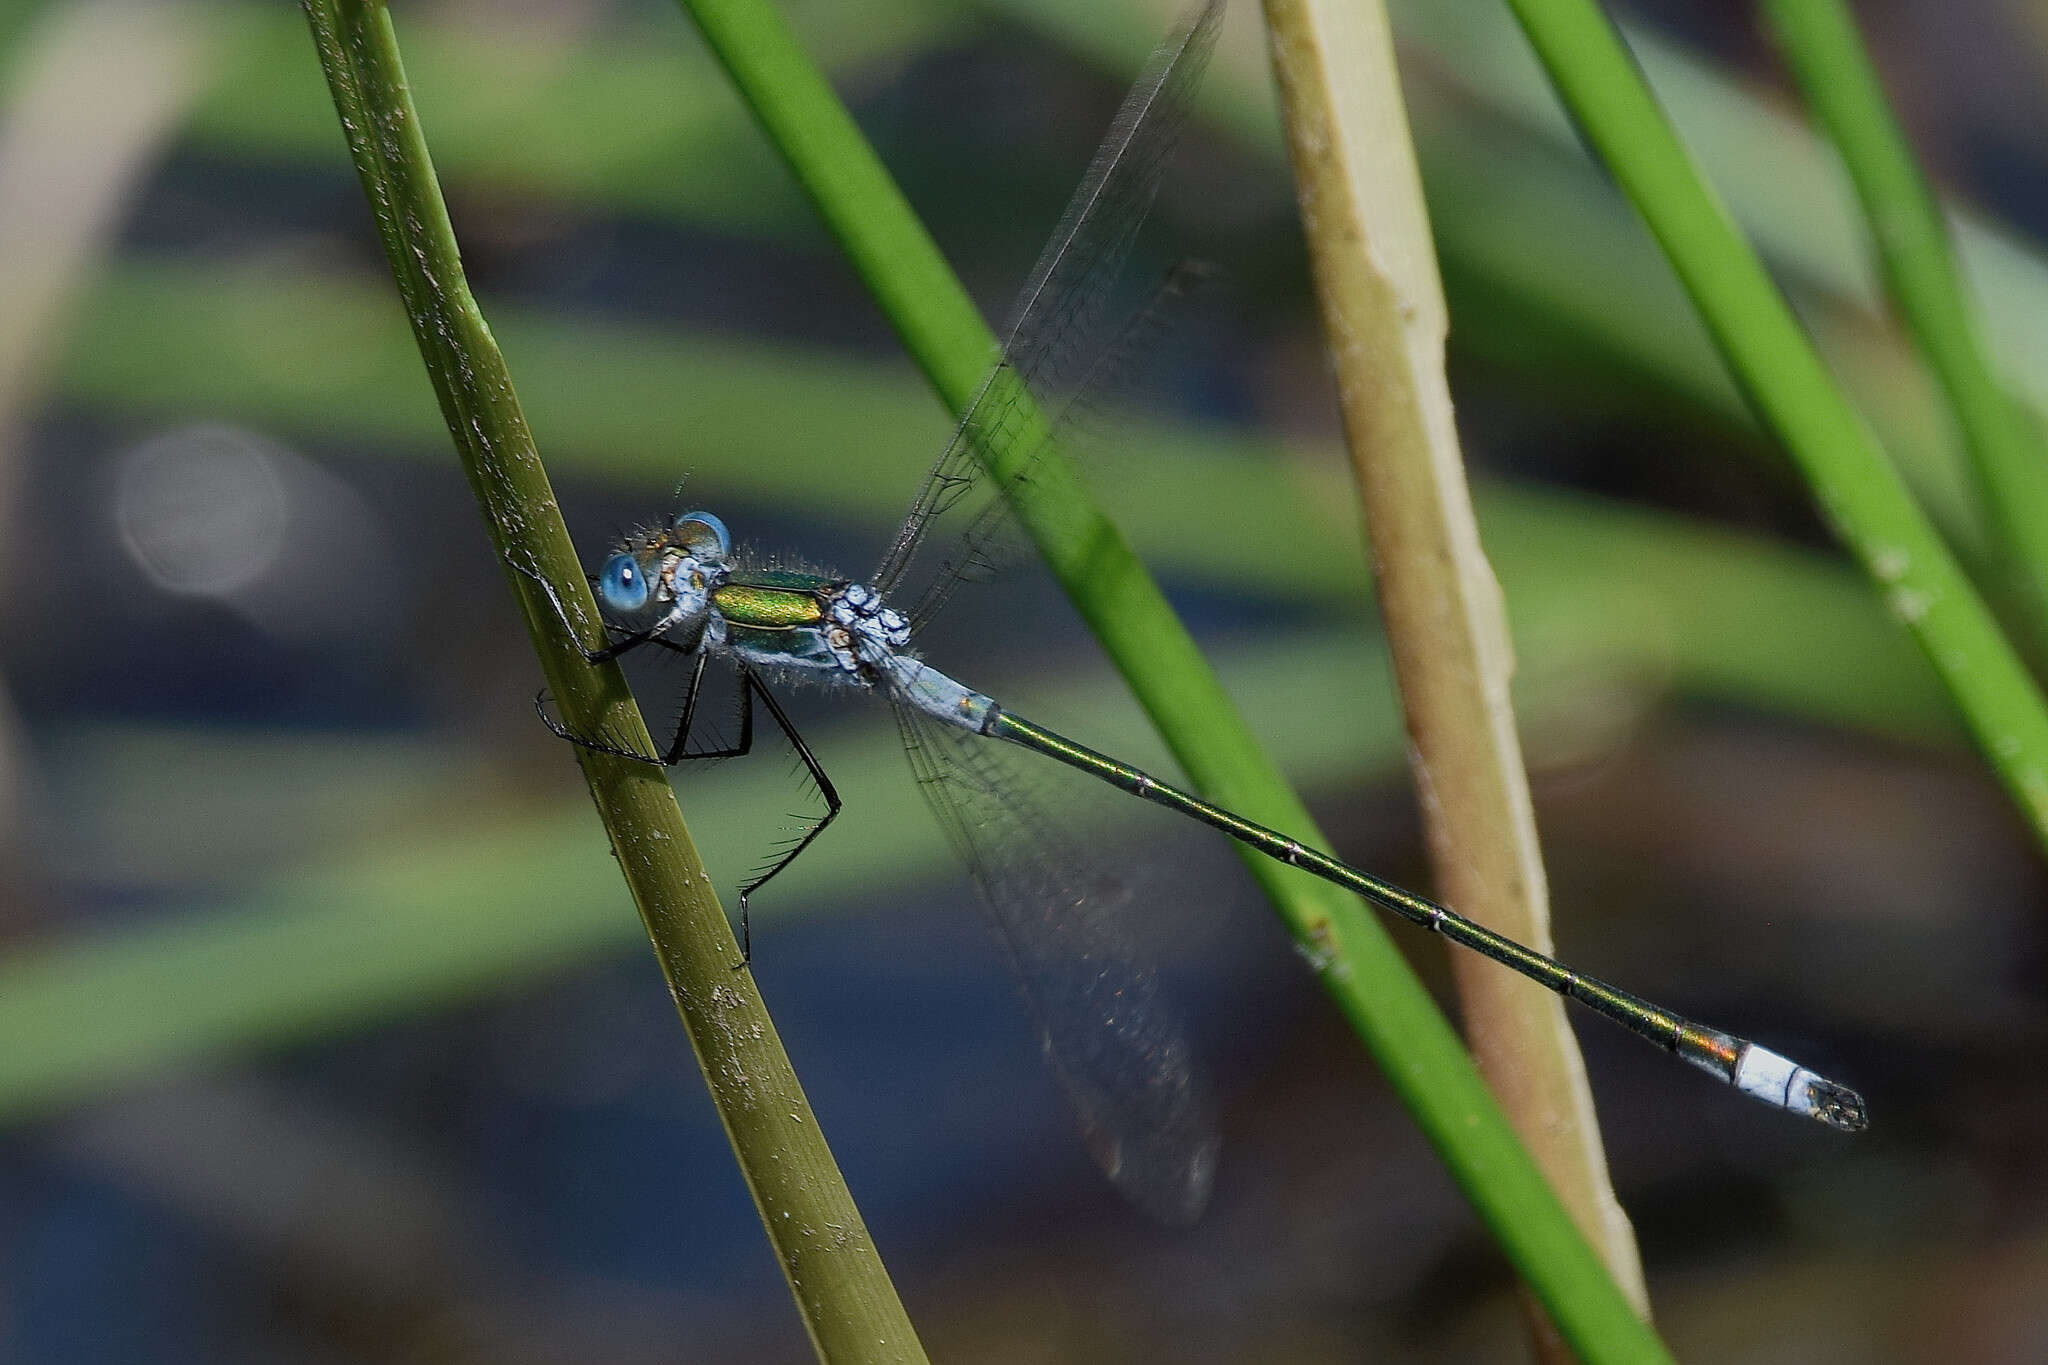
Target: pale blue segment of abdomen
<point x="918" y="684"/>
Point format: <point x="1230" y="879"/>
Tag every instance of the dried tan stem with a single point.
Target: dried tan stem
<point x="1384" y="320"/>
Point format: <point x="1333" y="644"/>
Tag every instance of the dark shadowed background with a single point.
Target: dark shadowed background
<point x="327" y="1029"/>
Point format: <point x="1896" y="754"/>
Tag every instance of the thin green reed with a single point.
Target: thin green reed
<point x="1858" y="490"/>
<point x="1356" y="962"/>
<point x="845" y="1298"/>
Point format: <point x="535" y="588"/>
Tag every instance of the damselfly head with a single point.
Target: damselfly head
<point x="659" y="579"/>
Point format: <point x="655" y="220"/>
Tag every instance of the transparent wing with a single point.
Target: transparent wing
<point x="1048" y="341"/>
<point x="1143" y="1108"/>
<point x="991" y="539"/>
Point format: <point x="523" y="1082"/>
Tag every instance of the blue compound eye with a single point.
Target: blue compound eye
<point x="622" y="585"/>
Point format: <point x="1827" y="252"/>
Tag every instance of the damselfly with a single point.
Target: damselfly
<point x="679" y="586"/>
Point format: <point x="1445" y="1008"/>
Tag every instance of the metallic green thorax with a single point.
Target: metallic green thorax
<point x="772" y="601"/>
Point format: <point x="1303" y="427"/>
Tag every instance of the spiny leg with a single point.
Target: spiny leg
<point x="752" y="685"/>
<point x="603" y="742"/>
<point x="678" y="748"/>
<point x="678" y="745"/>
<point x="678" y="751"/>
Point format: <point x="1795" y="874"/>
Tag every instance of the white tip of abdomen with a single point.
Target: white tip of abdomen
<point x="1764" y="1075"/>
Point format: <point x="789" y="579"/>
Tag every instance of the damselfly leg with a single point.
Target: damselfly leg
<point x="678" y="749"/>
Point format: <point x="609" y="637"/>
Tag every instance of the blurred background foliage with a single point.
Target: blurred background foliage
<point x="329" y="1032"/>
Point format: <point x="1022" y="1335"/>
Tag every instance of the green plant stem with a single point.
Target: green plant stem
<point x="1349" y="949"/>
<point x="1859" y="492"/>
<point x="1827" y="57"/>
<point x="845" y="1298"/>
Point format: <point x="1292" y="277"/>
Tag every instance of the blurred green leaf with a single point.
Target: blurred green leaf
<point x="629" y="122"/>
<point x="1542" y="247"/>
<point x="1824" y="50"/>
<point x="1856" y="487"/>
<point x="646" y="406"/>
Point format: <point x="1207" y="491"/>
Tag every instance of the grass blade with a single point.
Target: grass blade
<point x="1857" y="488"/>
<point x="1350" y="950"/>
<point x="1827" y="56"/>
<point x="846" y="1300"/>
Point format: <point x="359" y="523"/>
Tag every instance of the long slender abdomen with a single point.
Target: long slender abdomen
<point x="1756" y="1071"/>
